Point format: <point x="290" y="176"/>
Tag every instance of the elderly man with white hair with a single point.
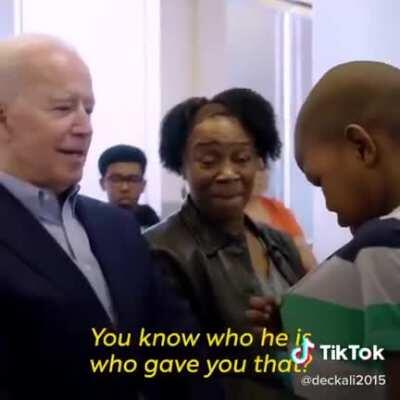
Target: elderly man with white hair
<point x="68" y="263"/>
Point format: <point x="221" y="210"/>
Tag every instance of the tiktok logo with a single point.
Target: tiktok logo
<point x="302" y="355"/>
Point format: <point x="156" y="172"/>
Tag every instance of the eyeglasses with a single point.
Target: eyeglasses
<point x="129" y="179"/>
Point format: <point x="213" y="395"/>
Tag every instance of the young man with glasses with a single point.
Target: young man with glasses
<point x="122" y="169"/>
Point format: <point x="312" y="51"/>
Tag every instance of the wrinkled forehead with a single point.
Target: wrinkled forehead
<point x="222" y="130"/>
<point x="34" y="60"/>
<point x="209" y="110"/>
<point x="58" y="77"/>
<point x="51" y="65"/>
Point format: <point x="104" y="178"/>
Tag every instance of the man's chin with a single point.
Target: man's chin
<point x="124" y="204"/>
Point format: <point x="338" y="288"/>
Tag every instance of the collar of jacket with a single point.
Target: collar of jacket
<point x="208" y="235"/>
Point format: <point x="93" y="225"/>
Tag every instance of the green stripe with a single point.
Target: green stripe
<point x="328" y="323"/>
<point x="382" y="326"/>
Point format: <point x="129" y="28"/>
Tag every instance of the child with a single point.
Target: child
<point x="347" y="142"/>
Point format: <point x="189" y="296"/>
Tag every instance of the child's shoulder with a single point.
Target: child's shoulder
<point x="378" y="233"/>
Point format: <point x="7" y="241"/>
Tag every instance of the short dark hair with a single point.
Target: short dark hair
<point x="121" y="153"/>
<point x="250" y="108"/>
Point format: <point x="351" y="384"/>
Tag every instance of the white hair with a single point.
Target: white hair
<point x="15" y="54"/>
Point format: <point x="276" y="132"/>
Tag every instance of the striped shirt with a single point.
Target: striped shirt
<point x="353" y="298"/>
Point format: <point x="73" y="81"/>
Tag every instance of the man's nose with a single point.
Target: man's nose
<point x="82" y="122"/>
<point x="124" y="185"/>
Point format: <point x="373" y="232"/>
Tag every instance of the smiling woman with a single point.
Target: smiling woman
<point x="210" y="251"/>
<point x="219" y="166"/>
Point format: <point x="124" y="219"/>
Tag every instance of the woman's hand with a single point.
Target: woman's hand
<point x="263" y="313"/>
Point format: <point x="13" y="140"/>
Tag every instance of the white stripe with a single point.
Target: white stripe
<point x="379" y="272"/>
<point x="374" y="278"/>
<point x="335" y="281"/>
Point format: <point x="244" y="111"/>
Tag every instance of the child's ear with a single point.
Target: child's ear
<point x="362" y="142"/>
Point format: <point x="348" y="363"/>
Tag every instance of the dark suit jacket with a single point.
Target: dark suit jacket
<point x="145" y="215"/>
<point x="47" y="308"/>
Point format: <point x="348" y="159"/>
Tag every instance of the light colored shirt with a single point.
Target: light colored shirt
<point x="276" y="285"/>
<point x="60" y="220"/>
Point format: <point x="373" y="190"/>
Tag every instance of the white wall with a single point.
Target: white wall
<point x="344" y="31"/>
<point x="119" y="39"/>
<point x="177" y="52"/>
<point x="252" y="29"/>
<point x="210" y="62"/>
<point x="6" y="18"/>
<point x="193" y="64"/>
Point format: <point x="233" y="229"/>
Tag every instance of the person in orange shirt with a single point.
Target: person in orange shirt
<point x="272" y="212"/>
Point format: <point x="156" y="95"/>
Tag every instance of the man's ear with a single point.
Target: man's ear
<point x="144" y="183"/>
<point x="362" y="142"/>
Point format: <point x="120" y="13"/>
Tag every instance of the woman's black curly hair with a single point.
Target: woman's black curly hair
<point x="250" y="108"/>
